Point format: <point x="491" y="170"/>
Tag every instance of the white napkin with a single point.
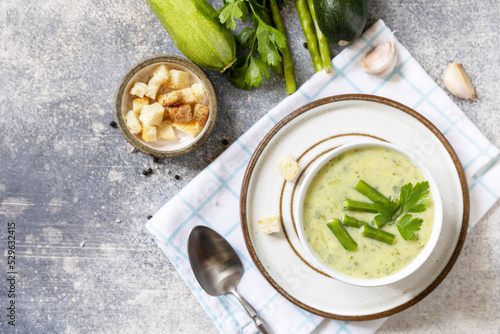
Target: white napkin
<point x="212" y="197"/>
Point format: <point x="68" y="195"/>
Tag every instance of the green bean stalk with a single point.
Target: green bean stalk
<point x="342" y="235"/>
<point x="306" y="21"/>
<point x="370" y="192"/>
<point x="377" y="234"/>
<point x="324" y="50"/>
<point x="359" y="206"/>
<point x="288" y="68"/>
<point x="352" y="222"/>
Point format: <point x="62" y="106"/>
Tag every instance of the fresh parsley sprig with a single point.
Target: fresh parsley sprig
<point x="413" y="199"/>
<point x="259" y="47"/>
<point x="407" y="225"/>
<point x="386" y="212"/>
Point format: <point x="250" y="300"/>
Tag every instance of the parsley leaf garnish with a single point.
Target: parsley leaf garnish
<point x="413" y="199"/>
<point x="385" y="212"/>
<point x="406" y="226"/>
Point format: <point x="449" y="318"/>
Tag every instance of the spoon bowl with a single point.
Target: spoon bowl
<point x="215" y="264"/>
<point x="218" y="268"/>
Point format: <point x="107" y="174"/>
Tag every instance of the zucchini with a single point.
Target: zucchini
<point x="195" y="31"/>
<point x="341" y="21"/>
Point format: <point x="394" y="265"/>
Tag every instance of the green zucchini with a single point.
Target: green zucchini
<point x="341" y="21"/>
<point x="195" y="31"/>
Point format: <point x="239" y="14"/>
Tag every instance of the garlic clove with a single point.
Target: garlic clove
<point x="381" y="60"/>
<point x="457" y="82"/>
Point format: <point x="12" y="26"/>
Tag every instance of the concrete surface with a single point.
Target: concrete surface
<point x="79" y="200"/>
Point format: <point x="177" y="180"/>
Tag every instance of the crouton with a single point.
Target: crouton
<point x="138" y="103"/>
<point x="187" y="96"/>
<point x="200" y="113"/>
<point x="181" y="113"/>
<point x="132" y="121"/>
<point x="192" y="128"/>
<point x="149" y="133"/>
<point x="170" y="99"/>
<point x="177" y="80"/>
<point x="165" y="131"/>
<point x="139" y="89"/>
<point x="288" y="167"/>
<point x="152" y="114"/>
<point x="198" y="91"/>
<point x="160" y="76"/>
<point x="270" y="225"/>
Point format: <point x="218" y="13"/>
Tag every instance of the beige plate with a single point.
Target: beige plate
<point x="142" y="72"/>
<point x="306" y="134"/>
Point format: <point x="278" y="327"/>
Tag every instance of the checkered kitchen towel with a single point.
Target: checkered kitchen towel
<point x="212" y="197"/>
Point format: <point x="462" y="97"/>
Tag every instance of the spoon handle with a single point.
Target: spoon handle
<point x="259" y="323"/>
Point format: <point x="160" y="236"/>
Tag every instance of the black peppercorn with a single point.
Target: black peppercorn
<point x="147" y="171"/>
<point x="305" y="45"/>
<point x="225" y="142"/>
<point x="149" y="217"/>
<point x="177" y="177"/>
<point x="113" y="124"/>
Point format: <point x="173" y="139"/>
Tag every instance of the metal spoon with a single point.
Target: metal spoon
<point x="218" y="268"/>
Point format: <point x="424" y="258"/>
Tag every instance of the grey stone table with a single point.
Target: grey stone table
<point x="76" y="192"/>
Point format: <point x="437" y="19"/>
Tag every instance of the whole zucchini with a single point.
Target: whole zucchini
<point x="341" y="21"/>
<point x="195" y="31"/>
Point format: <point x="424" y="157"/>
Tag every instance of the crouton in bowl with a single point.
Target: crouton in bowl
<point x="166" y="106"/>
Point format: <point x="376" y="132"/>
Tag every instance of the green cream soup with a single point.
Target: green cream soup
<point x="385" y="170"/>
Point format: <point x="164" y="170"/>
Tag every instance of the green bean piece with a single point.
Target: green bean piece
<point x="370" y="192"/>
<point x="359" y="206"/>
<point x="288" y="67"/>
<point x="377" y="234"/>
<point x="351" y="222"/>
<point x="309" y="33"/>
<point x="277" y="68"/>
<point x="324" y="49"/>
<point x="342" y="235"/>
<point x="380" y="220"/>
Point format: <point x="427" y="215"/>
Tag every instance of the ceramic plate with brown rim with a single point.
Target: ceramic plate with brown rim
<point x="307" y="134"/>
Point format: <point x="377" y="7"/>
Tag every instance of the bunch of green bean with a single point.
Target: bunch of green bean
<point x="366" y="230"/>
<point x="316" y="41"/>
<point x="345" y="239"/>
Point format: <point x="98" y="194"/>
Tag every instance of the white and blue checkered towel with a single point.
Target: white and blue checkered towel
<point x="212" y="198"/>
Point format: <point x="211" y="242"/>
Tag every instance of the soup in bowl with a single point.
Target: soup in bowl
<point x="369" y="213"/>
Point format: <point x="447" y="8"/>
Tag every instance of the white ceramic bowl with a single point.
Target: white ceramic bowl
<point x="421" y="257"/>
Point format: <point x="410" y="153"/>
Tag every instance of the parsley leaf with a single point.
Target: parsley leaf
<point x="237" y="73"/>
<point x="247" y="72"/>
<point x="270" y="41"/>
<point x="256" y="70"/>
<point x="245" y="38"/>
<point x="232" y="9"/>
<point x="386" y="212"/>
<point x="406" y="226"/>
<point x="413" y="199"/>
